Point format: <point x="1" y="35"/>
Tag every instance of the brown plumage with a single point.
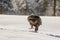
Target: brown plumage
<point x="34" y="21"/>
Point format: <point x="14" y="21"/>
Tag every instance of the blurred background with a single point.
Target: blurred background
<point x="28" y="7"/>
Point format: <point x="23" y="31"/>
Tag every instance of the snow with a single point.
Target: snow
<point x="16" y="27"/>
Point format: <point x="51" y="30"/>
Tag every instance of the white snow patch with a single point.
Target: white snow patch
<point x="14" y="27"/>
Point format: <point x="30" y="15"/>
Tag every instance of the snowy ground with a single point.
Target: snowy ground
<point x="17" y="28"/>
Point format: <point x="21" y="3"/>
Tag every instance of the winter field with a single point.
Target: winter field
<point x="15" y="27"/>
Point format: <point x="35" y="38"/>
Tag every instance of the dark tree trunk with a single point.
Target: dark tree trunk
<point x="54" y="8"/>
